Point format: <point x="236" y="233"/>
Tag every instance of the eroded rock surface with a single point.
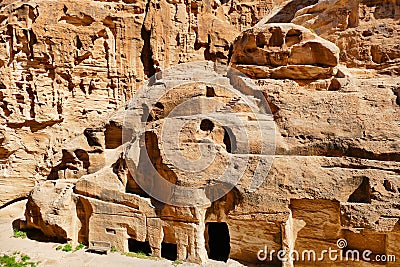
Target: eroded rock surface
<point x="282" y="51"/>
<point x="367" y="32"/>
<point x="67" y="66"/>
<point x="332" y="177"/>
<point x="336" y="170"/>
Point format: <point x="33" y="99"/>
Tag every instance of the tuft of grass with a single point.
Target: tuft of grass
<point x="67" y="248"/>
<point x="140" y="255"/>
<point x="25" y="257"/>
<point x="17" y="260"/>
<point x="176" y="263"/>
<point x="19" y="233"/>
<point x="79" y="247"/>
<point x="113" y="249"/>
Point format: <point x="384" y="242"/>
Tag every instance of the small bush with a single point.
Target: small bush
<point x="79" y="247"/>
<point x="25" y="257"/>
<point x="17" y="260"/>
<point x="113" y="249"/>
<point x="67" y="248"/>
<point x="19" y="234"/>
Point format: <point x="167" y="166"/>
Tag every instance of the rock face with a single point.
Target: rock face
<point x="330" y="178"/>
<point x="55" y="214"/>
<point x="324" y="18"/>
<point x="282" y="51"/>
<point x="66" y="77"/>
<point x="63" y="69"/>
<point x="65" y="66"/>
<point x="365" y="31"/>
<point x="109" y="205"/>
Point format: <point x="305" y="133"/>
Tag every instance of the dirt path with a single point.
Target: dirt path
<point x="47" y="254"/>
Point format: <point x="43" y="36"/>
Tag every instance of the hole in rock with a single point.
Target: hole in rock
<point x="261" y="40"/>
<point x="146" y="55"/>
<point x="363" y="193"/>
<point x="169" y="251"/>
<point x="367" y="33"/>
<point x="83" y="156"/>
<point x="91" y="137"/>
<point x="229" y="140"/>
<point x="210" y="92"/>
<point x="217" y="234"/>
<point x="293" y="37"/>
<point x="78" y="42"/>
<point x="277" y="37"/>
<point x="159" y="105"/>
<point x="389" y="186"/>
<point x="138" y="247"/>
<point x="206" y="125"/>
<point x="110" y="231"/>
<point x="397" y="94"/>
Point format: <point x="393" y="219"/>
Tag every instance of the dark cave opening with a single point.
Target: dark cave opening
<point x="217" y="234"/>
<point x="138" y="247"/>
<point x="210" y="92"/>
<point x="169" y="251"/>
<point x="206" y="125"/>
<point x="363" y="193"/>
<point x="229" y="140"/>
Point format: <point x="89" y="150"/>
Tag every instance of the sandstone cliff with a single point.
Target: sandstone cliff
<point x="328" y="71"/>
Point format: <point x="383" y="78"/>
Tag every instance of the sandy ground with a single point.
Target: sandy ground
<point x="47" y="254"/>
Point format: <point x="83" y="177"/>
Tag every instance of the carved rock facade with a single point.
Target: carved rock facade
<point x="67" y="67"/>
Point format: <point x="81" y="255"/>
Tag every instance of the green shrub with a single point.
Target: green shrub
<point x="113" y="249"/>
<point x="17" y="260"/>
<point x="19" y="233"/>
<point x="67" y="248"/>
<point x="80" y="246"/>
<point x="25" y="257"/>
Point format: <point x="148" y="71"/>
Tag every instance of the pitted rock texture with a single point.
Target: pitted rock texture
<point x="367" y="32"/>
<point x="67" y="67"/>
<point x="333" y="176"/>
<point x="64" y="68"/>
<point x="65" y="72"/>
<point x="284" y="50"/>
<point x="110" y="198"/>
